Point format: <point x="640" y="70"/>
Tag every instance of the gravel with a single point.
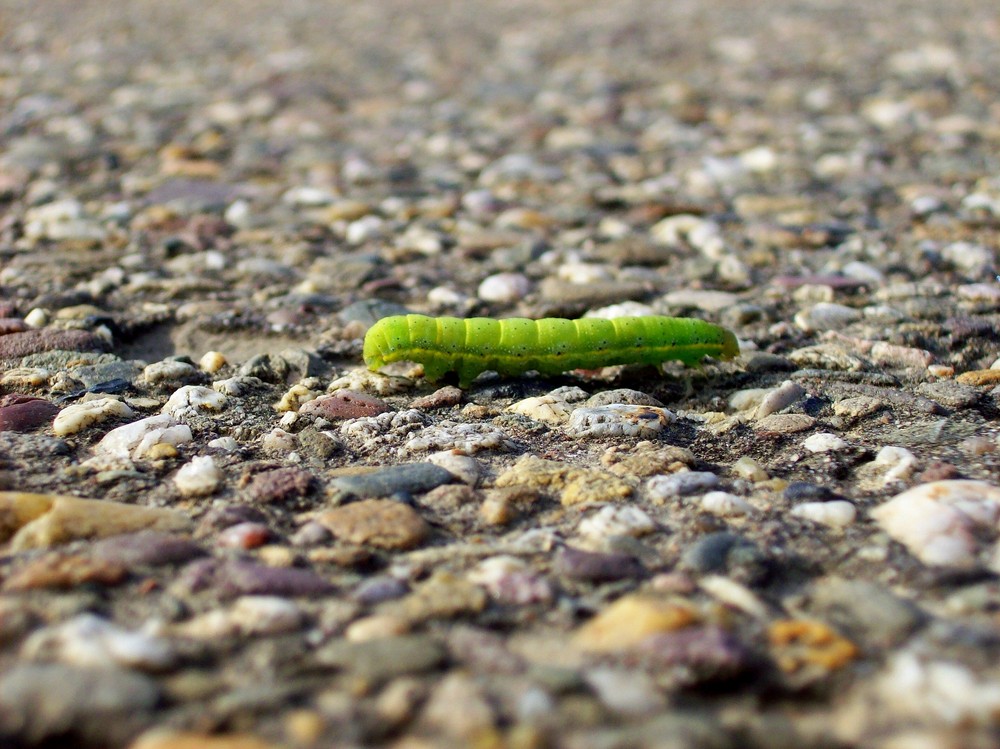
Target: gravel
<point x="217" y="528"/>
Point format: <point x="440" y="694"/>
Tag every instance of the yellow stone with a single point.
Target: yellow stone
<point x="34" y="521"/>
<point x="980" y="377"/>
<point x="572" y="484"/>
<point x="630" y="620"/>
<point x="162" y="739"/>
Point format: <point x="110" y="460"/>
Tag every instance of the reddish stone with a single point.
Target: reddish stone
<point x="279" y="485"/>
<point x="345" y="404"/>
<point x="16" y="345"/>
<point x="58" y="570"/>
<point x="22" y="413"/>
<point x="10" y="325"/>
<point x="244" y="536"/>
<point x="233" y="578"/>
<point x="440" y="398"/>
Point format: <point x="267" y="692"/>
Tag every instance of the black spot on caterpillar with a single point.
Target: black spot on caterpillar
<point x="549" y="346"/>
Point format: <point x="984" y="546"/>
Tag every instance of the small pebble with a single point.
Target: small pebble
<point x="663" y="488"/>
<point x="938" y="522"/>
<point x="138" y="439"/>
<point x="836" y="513"/>
<point x="725" y="504"/>
<point x="192" y="399"/>
<point x="504" y="288"/>
<point x="618" y="420"/>
<point x="199" y="478"/>
<point x="824" y="442"/>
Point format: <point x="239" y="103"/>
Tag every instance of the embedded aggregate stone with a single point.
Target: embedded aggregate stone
<point x="17" y="345"/>
<point x="382" y="523"/>
<point x="49" y="701"/>
<point x="410" y="478"/>
<point x="23" y="413"/>
<point x="43" y="520"/>
<point x="232" y="578"/>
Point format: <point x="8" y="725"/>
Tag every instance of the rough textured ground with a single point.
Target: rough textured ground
<point x="217" y="529"/>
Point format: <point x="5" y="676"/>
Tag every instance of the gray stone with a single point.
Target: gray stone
<point x="411" y="478"/>
<point x="383" y="659"/>
<point x="98" y="706"/>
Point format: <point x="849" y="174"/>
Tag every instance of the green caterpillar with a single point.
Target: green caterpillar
<point x="517" y="345"/>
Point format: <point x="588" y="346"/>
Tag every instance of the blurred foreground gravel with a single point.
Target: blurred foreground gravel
<point x="218" y="530"/>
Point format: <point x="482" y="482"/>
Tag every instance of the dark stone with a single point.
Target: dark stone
<point x="16" y="345"/>
<point x="726" y="553"/>
<point x="596" y="567"/>
<point x="803" y="491"/>
<point x="411" y="478"/>
<point x="22" y="413"/>
<point x="47" y="702"/>
<point x="233" y="578"/>
<point x="279" y="485"/>
<point x="146" y="548"/>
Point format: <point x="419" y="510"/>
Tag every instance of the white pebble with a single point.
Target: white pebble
<point x="973" y="259"/>
<point x="448" y="435"/>
<point x="37" y="318"/>
<point x="836" y="514"/>
<point x="267" y="615"/>
<point x="616" y="520"/>
<point x="898" y="461"/>
<point x="826" y="316"/>
<point x="625" y="309"/>
<point x="625" y="691"/>
<point x="504" y="287"/>
<point x="198" y="478"/>
<point x="79" y="416"/>
<point x="227" y="444"/>
<point x="279" y="441"/>
<point x="190" y="399"/>
<point x="779" y="399"/>
<point x="89" y="641"/>
<point x="725" y="504"/>
<point x="466" y="469"/>
<point x="661" y="488"/>
<point x="938" y="690"/>
<point x="584" y="273"/>
<point x="824" y="442"/>
<point x="618" y="420"/>
<point x="364" y="229"/>
<point x="168" y="370"/>
<point x="546" y="408"/>
<point x="938" y="522"/>
<point x="136" y="439"/>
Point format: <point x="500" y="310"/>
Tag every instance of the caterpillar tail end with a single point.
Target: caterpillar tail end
<point x="730" y="346"/>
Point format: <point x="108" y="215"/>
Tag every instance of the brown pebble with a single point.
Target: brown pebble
<point x="22" y="413"/>
<point x="345" y="404"/>
<point x="382" y="523"/>
<point x="10" y="325"/>
<point x="279" y="485"/>
<point x="939" y="471"/>
<point x="440" y="398"/>
<point x="16" y="345"/>
<point x="64" y="571"/>
<point x="980" y="377"/>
